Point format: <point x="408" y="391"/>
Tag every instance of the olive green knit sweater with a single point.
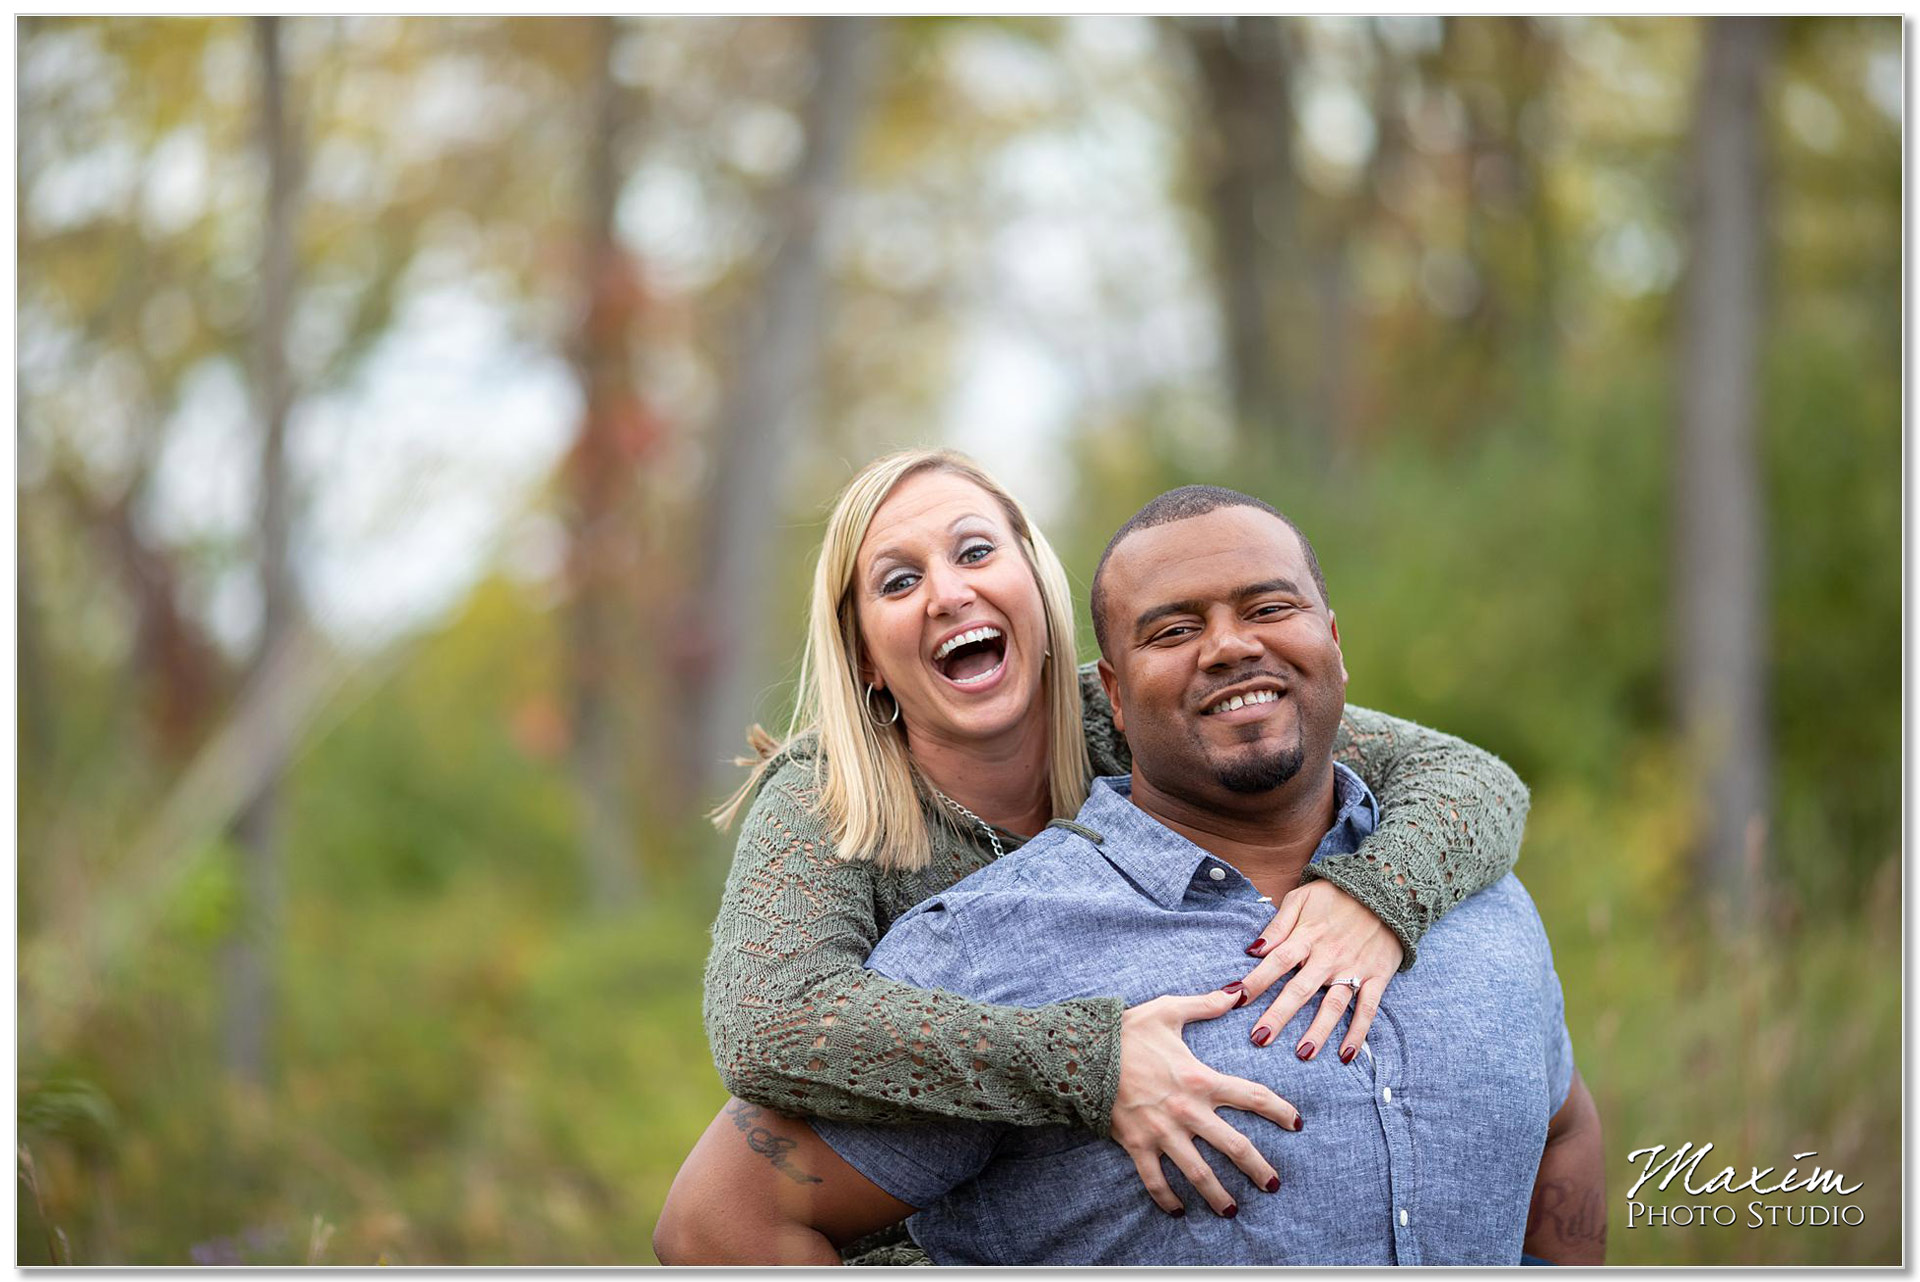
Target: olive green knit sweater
<point x="798" y="1025"/>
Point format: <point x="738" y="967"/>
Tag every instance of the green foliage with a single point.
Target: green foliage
<point x="397" y="807"/>
<point x="1781" y="1042"/>
<point x="205" y="902"/>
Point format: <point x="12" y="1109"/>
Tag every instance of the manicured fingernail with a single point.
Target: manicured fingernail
<point x="1305" y="1051"/>
<point x="1234" y="987"/>
<point x="1273" y="1185"/>
<point x="1299" y="1122"/>
<point x="1262" y="1035"/>
<point x="1346" y="1056"/>
<point x="1177" y="1212"/>
<point x="1253" y="949"/>
<point x="1233" y="1209"/>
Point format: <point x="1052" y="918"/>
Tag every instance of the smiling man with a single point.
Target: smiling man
<point x="1461" y="1132"/>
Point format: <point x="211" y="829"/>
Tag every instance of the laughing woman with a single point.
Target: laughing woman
<point x="942" y="723"/>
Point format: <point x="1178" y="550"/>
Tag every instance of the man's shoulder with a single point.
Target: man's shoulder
<point x="1499" y="924"/>
<point x="1052" y="861"/>
<point x="1507" y="896"/>
<point x="958" y="938"/>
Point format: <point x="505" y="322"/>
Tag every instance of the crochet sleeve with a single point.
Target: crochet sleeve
<point x="1451" y="818"/>
<point x="798" y="1025"/>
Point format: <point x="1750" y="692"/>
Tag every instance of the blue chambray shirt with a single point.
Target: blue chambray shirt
<point x="1423" y="1150"/>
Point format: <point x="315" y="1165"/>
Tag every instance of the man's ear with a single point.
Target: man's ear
<point x="1333" y="624"/>
<point x="1111" y="684"/>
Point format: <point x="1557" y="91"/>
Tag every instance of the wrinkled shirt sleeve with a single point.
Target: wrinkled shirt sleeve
<point x="919" y="1164"/>
<point x="1558" y="1043"/>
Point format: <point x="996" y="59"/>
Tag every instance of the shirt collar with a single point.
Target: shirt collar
<point x="1163" y="864"/>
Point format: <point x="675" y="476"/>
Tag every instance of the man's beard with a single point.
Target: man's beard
<point x="1261" y="773"/>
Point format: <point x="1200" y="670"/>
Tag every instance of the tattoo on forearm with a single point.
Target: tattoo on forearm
<point x="1569" y="1211"/>
<point x="764" y="1142"/>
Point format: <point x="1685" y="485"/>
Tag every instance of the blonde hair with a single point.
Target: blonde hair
<point x="865" y="781"/>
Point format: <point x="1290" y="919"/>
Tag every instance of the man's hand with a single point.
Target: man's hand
<point x="1567" y="1222"/>
<point x="762" y="1188"/>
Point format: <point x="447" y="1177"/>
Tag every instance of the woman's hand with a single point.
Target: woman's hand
<point x="1330" y="936"/>
<point x="1167" y="1097"/>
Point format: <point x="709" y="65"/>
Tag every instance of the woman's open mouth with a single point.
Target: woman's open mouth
<point x="972" y="657"/>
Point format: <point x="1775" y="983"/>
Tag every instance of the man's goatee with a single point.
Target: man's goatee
<point x="1262" y="774"/>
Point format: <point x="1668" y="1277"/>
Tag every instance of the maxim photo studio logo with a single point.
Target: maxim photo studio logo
<point x="1808" y="1197"/>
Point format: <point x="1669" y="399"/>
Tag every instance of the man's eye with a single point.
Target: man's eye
<point x="897" y="582"/>
<point x="1174" y="633"/>
<point x="975" y="552"/>
<point x="1275" y="608"/>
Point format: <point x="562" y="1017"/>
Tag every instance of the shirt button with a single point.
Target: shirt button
<point x="1403" y="1217"/>
<point x="1386" y="1093"/>
<point x="1217" y="873"/>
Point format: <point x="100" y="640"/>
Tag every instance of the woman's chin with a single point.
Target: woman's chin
<point x="962" y="713"/>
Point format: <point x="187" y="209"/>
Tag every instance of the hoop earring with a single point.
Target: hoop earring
<point x="872" y="716"/>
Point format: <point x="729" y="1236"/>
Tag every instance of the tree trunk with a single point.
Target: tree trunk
<point x="1253" y="203"/>
<point x="1537" y="68"/>
<point x="773" y="365"/>
<point x="1720" y="592"/>
<point x="249" y="966"/>
<point x="601" y="475"/>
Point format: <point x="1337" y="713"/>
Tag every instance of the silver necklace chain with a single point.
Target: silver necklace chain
<point x="962" y="811"/>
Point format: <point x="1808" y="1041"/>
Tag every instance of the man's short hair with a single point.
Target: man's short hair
<point x="1182" y="504"/>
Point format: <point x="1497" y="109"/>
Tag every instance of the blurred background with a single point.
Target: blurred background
<point x="425" y="427"/>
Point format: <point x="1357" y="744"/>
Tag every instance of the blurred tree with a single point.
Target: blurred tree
<point x="613" y="439"/>
<point x="1243" y="145"/>
<point x="249" y="1011"/>
<point x="778" y="335"/>
<point x="1502" y="68"/>
<point x="1719" y="548"/>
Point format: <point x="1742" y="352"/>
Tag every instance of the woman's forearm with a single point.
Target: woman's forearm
<point x="1451" y="819"/>
<point x="856" y="1046"/>
<point x="797" y="1024"/>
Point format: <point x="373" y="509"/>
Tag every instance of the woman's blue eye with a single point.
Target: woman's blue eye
<point x="899" y="582"/>
<point x="975" y="552"/>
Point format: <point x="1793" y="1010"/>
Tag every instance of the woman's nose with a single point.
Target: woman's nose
<point x="947" y="590"/>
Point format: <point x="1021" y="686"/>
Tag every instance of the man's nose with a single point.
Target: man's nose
<point x="948" y="591"/>
<point x="1227" y="644"/>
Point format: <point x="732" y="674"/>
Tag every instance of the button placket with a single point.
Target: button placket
<point x="1389" y="1066"/>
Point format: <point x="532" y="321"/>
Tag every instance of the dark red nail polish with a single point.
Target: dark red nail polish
<point x="1273" y="1185"/>
<point x="1261" y="1036"/>
<point x="1253" y="949"/>
<point x="1299" y="1122"/>
<point x="1177" y="1212"/>
<point x="1233" y="1209"/>
<point x="1305" y="1051"/>
<point x="1234" y="987"/>
<point x="1346" y="1056"/>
